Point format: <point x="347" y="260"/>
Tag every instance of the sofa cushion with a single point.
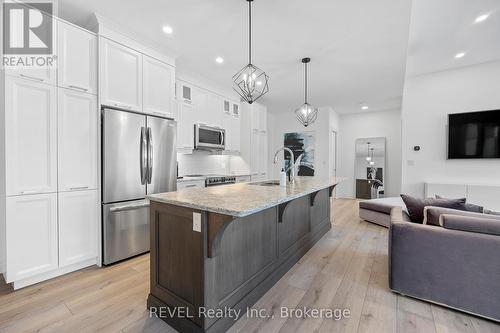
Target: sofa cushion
<point x="432" y="214"/>
<point x="376" y="206"/>
<point x="469" y="207"/>
<point x="471" y="224"/>
<point x="491" y="212"/>
<point x="415" y="206"/>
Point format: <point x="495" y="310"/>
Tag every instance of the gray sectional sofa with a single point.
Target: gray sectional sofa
<point x="454" y="260"/>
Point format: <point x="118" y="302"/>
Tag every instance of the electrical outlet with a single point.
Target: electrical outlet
<point x="197" y="222"/>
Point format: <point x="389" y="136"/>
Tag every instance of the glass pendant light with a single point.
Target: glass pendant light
<point x="368" y="157"/>
<point x="372" y="162"/>
<point x="306" y="114"/>
<point x="250" y="82"/>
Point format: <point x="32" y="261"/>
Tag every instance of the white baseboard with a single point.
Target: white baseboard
<point x="52" y="274"/>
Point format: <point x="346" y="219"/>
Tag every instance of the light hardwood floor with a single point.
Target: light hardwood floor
<point x="346" y="269"/>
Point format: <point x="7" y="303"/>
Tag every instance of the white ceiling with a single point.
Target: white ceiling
<point x="358" y="47"/>
<point x="441" y="29"/>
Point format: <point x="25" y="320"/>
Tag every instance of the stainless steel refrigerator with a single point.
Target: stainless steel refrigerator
<point x="138" y="158"/>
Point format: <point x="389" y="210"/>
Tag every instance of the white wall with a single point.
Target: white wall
<point x="427" y="101"/>
<point x="285" y="122"/>
<point x="369" y="125"/>
<point x="204" y="163"/>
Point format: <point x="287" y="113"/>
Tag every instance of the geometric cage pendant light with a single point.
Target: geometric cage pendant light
<point x="250" y="82"/>
<point x="306" y="114"/>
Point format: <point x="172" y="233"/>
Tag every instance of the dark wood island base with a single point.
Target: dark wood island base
<point x="231" y="262"/>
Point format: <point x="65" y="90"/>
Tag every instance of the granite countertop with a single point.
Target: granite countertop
<point x="245" y="198"/>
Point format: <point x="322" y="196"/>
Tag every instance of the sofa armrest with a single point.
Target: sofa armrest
<point x="432" y="214"/>
<point x="471" y="224"/>
<point x="441" y="265"/>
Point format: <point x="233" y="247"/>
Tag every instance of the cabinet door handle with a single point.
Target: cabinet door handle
<point x="193" y="185"/>
<point x="79" y="88"/>
<point x="128" y="207"/>
<point x="78" y="188"/>
<point x="31" y="77"/>
<point x="123" y="106"/>
<point x="30" y="192"/>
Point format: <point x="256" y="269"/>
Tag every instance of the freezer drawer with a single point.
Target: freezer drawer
<point x="125" y="230"/>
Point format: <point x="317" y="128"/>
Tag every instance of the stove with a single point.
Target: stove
<point x="215" y="180"/>
<point x="219" y="180"/>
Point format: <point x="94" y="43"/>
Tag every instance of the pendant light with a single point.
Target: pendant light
<point x="250" y="82"/>
<point x="372" y="161"/>
<point x="368" y="157"/>
<point x="306" y="114"/>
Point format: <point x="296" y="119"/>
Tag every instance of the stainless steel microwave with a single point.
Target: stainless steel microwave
<point x="209" y="137"/>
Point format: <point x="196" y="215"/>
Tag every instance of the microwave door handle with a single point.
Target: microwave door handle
<point x="150" y="155"/>
<point x="143" y="156"/>
<point x="222" y="138"/>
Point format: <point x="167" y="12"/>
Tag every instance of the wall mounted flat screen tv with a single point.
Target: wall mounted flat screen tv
<point x="474" y="135"/>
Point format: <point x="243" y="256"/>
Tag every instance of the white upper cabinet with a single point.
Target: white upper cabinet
<point x="235" y="133"/>
<point x="121" y="76"/>
<point x="77" y="59"/>
<point x="30" y="137"/>
<point x="78" y="216"/>
<point x="46" y="74"/>
<point x="77" y="142"/>
<point x="32" y="235"/>
<point x="158" y="80"/>
<point x="185" y="125"/>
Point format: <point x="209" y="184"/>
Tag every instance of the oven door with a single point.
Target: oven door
<point x="208" y="137"/>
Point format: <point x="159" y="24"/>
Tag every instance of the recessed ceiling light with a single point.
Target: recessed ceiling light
<point x="219" y="60"/>
<point x="167" y="29"/>
<point x="364" y="106"/>
<point x="460" y="55"/>
<point x="481" y="18"/>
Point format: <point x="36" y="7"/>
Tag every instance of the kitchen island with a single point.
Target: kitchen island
<point x="215" y="251"/>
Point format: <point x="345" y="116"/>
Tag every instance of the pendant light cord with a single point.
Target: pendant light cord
<point x="305" y="88"/>
<point x="249" y="32"/>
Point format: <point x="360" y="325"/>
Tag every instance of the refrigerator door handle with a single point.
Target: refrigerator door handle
<point x="143" y="153"/>
<point x="150" y="155"/>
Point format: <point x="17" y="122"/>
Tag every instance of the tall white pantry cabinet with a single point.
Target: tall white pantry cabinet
<point x="49" y="163"/>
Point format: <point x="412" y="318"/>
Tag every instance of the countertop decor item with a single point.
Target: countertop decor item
<point x="250" y="82"/>
<point x="306" y="114"/>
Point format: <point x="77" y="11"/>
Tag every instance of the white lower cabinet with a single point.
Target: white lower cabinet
<point x="31" y="235"/>
<point x="78" y="218"/>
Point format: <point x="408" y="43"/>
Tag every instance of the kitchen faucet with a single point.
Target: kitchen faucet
<point x="291" y="168"/>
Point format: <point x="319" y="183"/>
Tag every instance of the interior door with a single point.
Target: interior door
<point x="124" y="155"/>
<point x="162" y="157"/>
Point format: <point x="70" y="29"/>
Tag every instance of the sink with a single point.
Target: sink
<point x="267" y="183"/>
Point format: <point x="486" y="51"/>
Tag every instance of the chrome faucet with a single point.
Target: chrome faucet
<point x="291" y="168"/>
